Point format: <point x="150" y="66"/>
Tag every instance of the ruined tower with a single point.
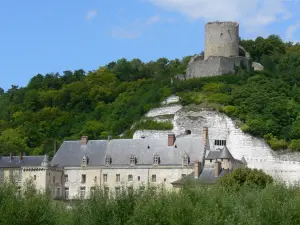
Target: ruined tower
<point x="222" y="55"/>
<point x="221" y="39"/>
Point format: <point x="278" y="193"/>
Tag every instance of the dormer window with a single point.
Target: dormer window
<point x="108" y="160"/>
<point x="85" y="161"/>
<point x="156" y="159"/>
<point x="185" y="160"/>
<point x="133" y="160"/>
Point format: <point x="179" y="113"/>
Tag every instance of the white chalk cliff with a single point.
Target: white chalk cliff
<point x="284" y="167"/>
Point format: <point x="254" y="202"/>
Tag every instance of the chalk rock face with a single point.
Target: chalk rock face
<point x="257" y="66"/>
<point x="168" y="110"/>
<point x="170" y="100"/>
<point x="191" y="120"/>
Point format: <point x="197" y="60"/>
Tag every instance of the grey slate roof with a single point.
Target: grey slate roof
<point x="225" y="154"/>
<point x="207" y="176"/>
<point x="120" y="150"/>
<point x="71" y="153"/>
<point x="6" y="162"/>
<point x="213" y="155"/>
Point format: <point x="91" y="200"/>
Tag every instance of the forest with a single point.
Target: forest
<point x="107" y="101"/>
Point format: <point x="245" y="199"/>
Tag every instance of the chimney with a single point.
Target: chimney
<point x="171" y="139"/>
<point x="217" y="168"/>
<point x="10" y="157"/>
<point x="205" y="134"/>
<point x="21" y="156"/>
<point x="84" y="140"/>
<point x="196" y="169"/>
<point x="109" y="137"/>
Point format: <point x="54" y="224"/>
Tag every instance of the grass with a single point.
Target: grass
<point x="274" y="204"/>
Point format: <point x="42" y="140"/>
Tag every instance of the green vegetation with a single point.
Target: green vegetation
<point x="99" y="103"/>
<point x="109" y="100"/>
<point x="255" y="201"/>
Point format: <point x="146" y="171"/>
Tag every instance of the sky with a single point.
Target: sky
<point x="53" y="36"/>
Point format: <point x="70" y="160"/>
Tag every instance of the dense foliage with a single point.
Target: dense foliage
<point x="245" y="177"/>
<point x="108" y="101"/>
<point x="97" y="104"/>
<point x="215" y="204"/>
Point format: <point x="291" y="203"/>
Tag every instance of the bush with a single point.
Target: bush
<point x="246" y="176"/>
<point x="191" y="97"/>
<point x="295" y="145"/>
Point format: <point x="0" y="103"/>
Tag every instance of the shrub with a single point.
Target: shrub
<point x="295" y="145"/>
<point x="245" y="176"/>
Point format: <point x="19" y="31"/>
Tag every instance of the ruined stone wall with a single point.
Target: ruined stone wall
<point x="221" y="39"/>
<point x="216" y="65"/>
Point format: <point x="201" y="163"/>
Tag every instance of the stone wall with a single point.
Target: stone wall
<point x="216" y="65"/>
<point x="221" y="39"/>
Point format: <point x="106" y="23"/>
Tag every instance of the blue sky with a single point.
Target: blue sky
<point x="53" y="36"/>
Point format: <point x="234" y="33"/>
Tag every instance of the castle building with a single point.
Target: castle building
<point x="79" y="167"/>
<point x="222" y="54"/>
<point x="21" y="170"/>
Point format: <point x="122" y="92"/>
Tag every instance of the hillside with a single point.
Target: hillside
<point x="54" y="107"/>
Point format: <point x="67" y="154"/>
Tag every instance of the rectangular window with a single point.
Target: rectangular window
<point x="83" y="178"/>
<point x="66" y="178"/>
<point x="92" y="190"/>
<point x="117" y="190"/>
<point x="106" y="191"/>
<point x="20" y="175"/>
<point x="139" y="178"/>
<point x="183" y="175"/>
<point x="130" y="177"/>
<point x="82" y="192"/>
<point x="53" y="179"/>
<point x="11" y="174"/>
<point x="220" y="142"/>
<point x="118" y="178"/>
<point x="130" y="190"/>
<point x="66" y="193"/>
<point x="104" y="178"/>
<point x="34" y="177"/>
<point x="57" y="192"/>
<point x="153" y="178"/>
<point x="19" y="192"/>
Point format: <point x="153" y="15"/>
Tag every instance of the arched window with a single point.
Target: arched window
<point x="156" y="159"/>
<point x="132" y="160"/>
<point x="108" y="160"/>
<point x="185" y="160"/>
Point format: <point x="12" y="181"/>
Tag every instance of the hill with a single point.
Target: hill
<point x="54" y="107"/>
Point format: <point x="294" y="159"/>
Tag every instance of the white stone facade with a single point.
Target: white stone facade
<point x="114" y="179"/>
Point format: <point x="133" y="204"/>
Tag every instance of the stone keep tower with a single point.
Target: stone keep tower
<point x="221" y="39"/>
<point x="222" y="55"/>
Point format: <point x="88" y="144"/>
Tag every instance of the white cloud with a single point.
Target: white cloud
<point x="122" y="33"/>
<point x="290" y="32"/>
<point x="91" y="14"/>
<point x="134" y="29"/>
<point x="152" y="20"/>
<point x="253" y="14"/>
